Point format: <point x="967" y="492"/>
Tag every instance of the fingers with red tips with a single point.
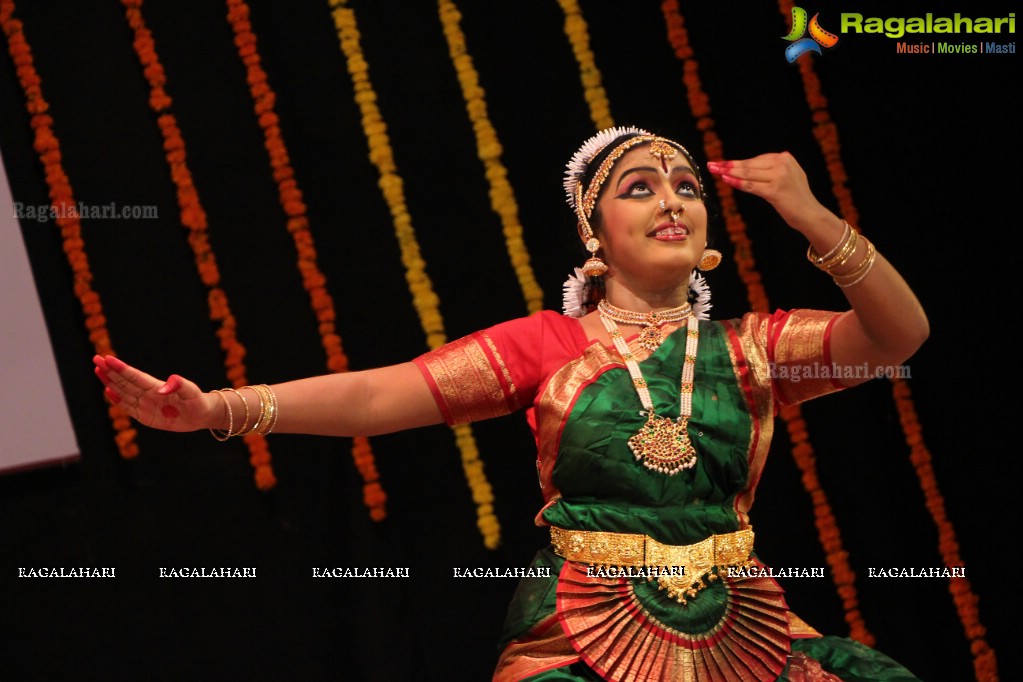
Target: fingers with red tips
<point x="115" y="364"/>
<point x="172" y="385"/>
<point x="111" y="395"/>
<point x="102" y="376"/>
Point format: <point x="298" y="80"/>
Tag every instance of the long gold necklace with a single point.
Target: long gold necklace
<point x="662" y="444"/>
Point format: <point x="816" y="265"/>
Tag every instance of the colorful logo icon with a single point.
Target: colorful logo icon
<point x="818" y="36"/>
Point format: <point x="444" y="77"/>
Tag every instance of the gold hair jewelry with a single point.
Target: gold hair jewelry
<point x="710" y="259"/>
<point x="663" y="151"/>
<point x="650" y="338"/>
<point x="662" y="444"/>
<point x="583" y="199"/>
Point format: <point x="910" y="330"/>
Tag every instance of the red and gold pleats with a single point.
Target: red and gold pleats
<point x="606" y="622"/>
<point x="62" y="200"/>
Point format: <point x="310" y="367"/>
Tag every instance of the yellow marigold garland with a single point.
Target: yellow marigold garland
<point x="313" y="279"/>
<point x="62" y="200"/>
<point x="802" y="449"/>
<point x="193" y="218"/>
<point x="502" y="197"/>
<point x="423" y="296"/>
<point x="985" y="664"/>
<point x="579" y="36"/>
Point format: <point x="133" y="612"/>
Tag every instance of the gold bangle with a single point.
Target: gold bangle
<point x="230" y="420"/>
<point x="260" y="413"/>
<point x="865" y="266"/>
<point x="816" y="259"/>
<point x="859" y="266"/>
<point x="268" y="409"/>
<point x="276" y="411"/>
<point x="244" y="427"/>
<point x="844" y="255"/>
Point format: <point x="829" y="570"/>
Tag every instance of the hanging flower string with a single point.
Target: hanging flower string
<point x="802" y="449"/>
<point x="579" y="37"/>
<point x="488" y="148"/>
<point x="290" y="197"/>
<point x="193" y="218"/>
<point x="62" y="200"/>
<point x="423" y="297"/>
<point x="826" y="132"/>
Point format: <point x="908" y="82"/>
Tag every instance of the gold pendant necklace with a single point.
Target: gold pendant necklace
<point x="650" y="336"/>
<point x="662" y="444"/>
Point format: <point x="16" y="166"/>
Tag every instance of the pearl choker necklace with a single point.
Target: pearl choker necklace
<point x="662" y="444"/>
<point x="650" y="338"/>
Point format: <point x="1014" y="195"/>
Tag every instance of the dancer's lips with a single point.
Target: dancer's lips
<point x="670" y="232"/>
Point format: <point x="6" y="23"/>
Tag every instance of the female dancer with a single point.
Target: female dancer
<point x="652" y="423"/>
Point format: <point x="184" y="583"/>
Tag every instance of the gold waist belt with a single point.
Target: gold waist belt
<point x="680" y="569"/>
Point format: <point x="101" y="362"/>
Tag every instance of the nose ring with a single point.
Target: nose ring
<point x="663" y="205"/>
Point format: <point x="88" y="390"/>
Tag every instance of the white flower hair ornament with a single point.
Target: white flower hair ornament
<point x="576" y="167"/>
<point x="699" y="295"/>
<point x="576" y="295"/>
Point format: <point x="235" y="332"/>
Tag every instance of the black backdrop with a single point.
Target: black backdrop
<point x="933" y="158"/>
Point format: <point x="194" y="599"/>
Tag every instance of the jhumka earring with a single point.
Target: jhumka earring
<point x="711" y="259"/>
<point x="594" y="267"/>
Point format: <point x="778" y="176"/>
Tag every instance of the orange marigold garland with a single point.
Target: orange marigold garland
<point x="62" y="200"/>
<point x="802" y="450"/>
<point x="193" y="218"/>
<point x="290" y="195"/>
<point x="826" y="131"/>
<point x="985" y="664"/>
<point x="579" y="37"/>
<point x="502" y="197"/>
<point x="423" y="297"/>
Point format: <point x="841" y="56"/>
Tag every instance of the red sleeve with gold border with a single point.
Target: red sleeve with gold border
<point x="490" y="373"/>
<point x="789" y="354"/>
<point x="799" y="353"/>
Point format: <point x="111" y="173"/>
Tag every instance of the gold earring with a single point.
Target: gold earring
<point x="594" y="267"/>
<point x="711" y="259"/>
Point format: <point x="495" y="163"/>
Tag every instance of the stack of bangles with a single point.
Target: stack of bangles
<point x="839" y="256"/>
<point x="266" y="414"/>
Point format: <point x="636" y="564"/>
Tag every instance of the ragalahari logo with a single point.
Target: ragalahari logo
<point x="818" y="36"/>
